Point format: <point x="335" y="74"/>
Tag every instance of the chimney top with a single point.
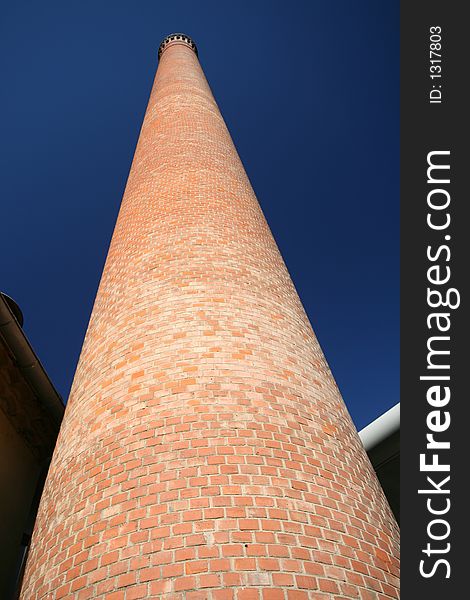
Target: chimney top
<point x="176" y="38"/>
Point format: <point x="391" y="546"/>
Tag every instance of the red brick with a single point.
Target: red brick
<point x="272" y="594"/>
<point x="185" y="583"/>
<point x="137" y="592"/>
<point x="248" y="594"/>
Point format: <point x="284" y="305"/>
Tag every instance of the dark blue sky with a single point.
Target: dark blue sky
<point x="310" y="92"/>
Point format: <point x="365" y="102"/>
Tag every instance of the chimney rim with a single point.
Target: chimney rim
<point x="176" y="38"/>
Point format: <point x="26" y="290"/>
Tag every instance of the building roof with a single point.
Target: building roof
<point x="381" y="439"/>
<point x="27" y="397"/>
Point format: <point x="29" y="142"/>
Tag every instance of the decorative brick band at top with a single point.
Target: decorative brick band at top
<point x="176" y="38"/>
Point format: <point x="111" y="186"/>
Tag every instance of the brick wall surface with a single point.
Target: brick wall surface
<point x="206" y="452"/>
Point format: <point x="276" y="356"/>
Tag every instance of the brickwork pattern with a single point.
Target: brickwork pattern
<point x="206" y="452"/>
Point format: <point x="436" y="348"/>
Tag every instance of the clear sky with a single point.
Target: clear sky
<point x="310" y="92"/>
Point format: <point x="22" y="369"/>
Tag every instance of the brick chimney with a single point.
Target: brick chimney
<point x="206" y="452"/>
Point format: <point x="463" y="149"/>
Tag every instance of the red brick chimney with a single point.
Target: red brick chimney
<point x="206" y="452"/>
